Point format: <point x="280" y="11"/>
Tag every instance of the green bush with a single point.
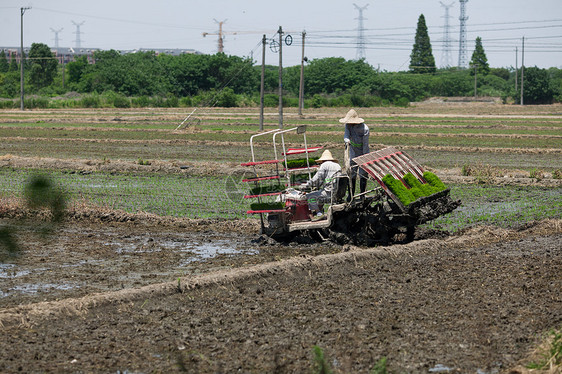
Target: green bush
<point x="270" y="100"/>
<point x="7" y="104"/>
<point x="226" y="98"/>
<point x="186" y="101"/>
<point x="90" y="101"/>
<point x="140" y="101"/>
<point x="289" y="101"/>
<point x="169" y="101"/>
<point x="402" y="102"/>
<point x="172" y="101"/>
<point x="117" y="100"/>
<point x="37" y="102"/>
<point x="318" y="101"/>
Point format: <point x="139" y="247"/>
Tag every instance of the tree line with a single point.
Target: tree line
<point x="145" y="79"/>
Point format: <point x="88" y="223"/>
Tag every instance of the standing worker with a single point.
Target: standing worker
<point x="356" y="138"/>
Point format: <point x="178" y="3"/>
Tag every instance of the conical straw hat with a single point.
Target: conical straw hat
<point x="326" y="156"/>
<point x="352" y="118"/>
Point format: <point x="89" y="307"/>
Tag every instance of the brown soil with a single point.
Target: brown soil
<point x="92" y="299"/>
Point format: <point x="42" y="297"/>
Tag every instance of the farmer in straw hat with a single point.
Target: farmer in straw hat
<point x="356" y="138"/>
<point x="324" y="180"/>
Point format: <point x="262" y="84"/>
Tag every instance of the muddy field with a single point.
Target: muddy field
<point x="105" y="297"/>
<point x="117" y="292"/>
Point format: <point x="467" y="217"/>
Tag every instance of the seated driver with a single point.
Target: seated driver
<point x="324" y="181"/>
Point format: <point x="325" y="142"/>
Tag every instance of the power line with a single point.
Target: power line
<point x="434" y="27"/>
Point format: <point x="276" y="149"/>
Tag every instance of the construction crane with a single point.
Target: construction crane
<point x="221" y="34"/>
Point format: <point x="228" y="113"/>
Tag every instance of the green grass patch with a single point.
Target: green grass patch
<point x="551" y="356"/>
<point x="164" y="195"/>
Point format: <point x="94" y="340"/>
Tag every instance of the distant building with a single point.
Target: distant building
<point x="65" y="55"/>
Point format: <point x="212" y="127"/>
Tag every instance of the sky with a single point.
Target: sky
<point x="332" y="28"/>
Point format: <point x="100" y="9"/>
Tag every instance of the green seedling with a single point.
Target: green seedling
<point x="536" y="174"/>
<point x="260" y="190"/>
<point x="398" y="189"/>
<point x="267" y="206"/>
<point x="380" y="367"/>
<point x="321" y="366"/>
<point x="434" y="181"/>
<point x="301" y="162"/>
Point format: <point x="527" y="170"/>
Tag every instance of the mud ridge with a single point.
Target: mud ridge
<point x="31" y="314"/>
<point x="14" y="209"/>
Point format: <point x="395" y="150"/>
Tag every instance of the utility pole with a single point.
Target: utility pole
<point x="475" y="79"/>
<point x="516" y="68"/>
<point x="78" y="32"/>
<point x="63" y="72"/>
<point x="262" y="87"/>
<point x="301" y="86"/>
<point x="522" y="66"/>
<point x="280" y="77"/>
<point x="22" y="62"/>
<point x="462" y="37"/>
<point x="446" y="59"/>
<point x="360" y="33"/>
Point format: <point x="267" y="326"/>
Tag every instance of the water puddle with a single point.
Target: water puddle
<point x="11" y="271"/>
<point x="34" y="288"/>
<point x="208" y="250"/>
<point x="174" y="252"/>
<point x="439" y="368"/>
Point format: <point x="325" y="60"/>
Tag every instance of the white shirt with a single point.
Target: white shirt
<point x="325" y="176"/>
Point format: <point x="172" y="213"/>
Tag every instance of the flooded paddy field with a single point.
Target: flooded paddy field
<point x="86" y="258"/>
<point x="147" y="273"/>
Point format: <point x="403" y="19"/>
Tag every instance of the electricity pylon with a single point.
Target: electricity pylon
<point x="220" y="34"/>
<point x="446" y="58"/>
<point x="78" y="32"/>
<point x="360" y="33"/>
<point x="463" y="62"/>
<point x="56" y="37"/>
